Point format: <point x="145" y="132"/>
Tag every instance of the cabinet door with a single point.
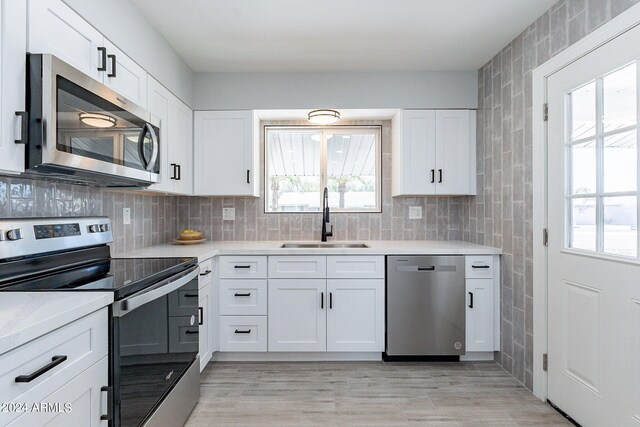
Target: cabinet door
<point x="355" y="315"/>
<point x="181" y="145"/>
<point x="159" y="101"/>
<point x="479" y="315"/>
<point x="55" y="28"/>
<point x="204" y="303"/>
<point x="225" y="153"/>
<point x="297" y="315"/>
<point x="13" y="48"/>
<point x="453" y="152"/>
<point x="125" y="76"/>
<point x="84" y="395"/>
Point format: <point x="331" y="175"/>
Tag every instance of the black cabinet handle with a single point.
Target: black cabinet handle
<point x="190" y="332"/>
<point x="242" y="266"/>
<point x="179" y="168"/>
<point x="107" y="416"/>
<point x="55" y="361"/>
<point x="206" y="273"/>
<point x="433" y="176"/>
<point x="440" y="175"/>
<point x="241" y="331"/>
<point x="173" y="171"/>
<point x="322" y="300"/>
<point x="330" y="300"/>
<point x="191" y="295"/>
<point x="248" y="294"/>
<point x="201" y="315"/>
<point x="103" y="58"/>
<point x="113" y="65"/>
<point x="431" y="268"/>
<point x="470" y="299"/>
<point x="480" y="266"/>
<point x="248" y="172"/>
<point x="24" y="127"/>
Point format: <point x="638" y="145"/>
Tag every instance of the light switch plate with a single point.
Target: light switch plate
<point x="228" y="214"/>
<point x="126" y="216"/>
<point x="415" y="212"/>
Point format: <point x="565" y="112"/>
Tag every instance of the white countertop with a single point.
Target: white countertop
<point x="208" y="250"/>
<point x="25" y="316"/>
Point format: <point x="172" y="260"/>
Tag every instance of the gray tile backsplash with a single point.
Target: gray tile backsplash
<point x="501" y="214"/>
<point x="442" y="216"/>
<point x="154" y="219"/>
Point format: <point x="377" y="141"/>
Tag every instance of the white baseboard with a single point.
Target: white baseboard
<point x="293" y="357"/>
<point x="477" y="356"/>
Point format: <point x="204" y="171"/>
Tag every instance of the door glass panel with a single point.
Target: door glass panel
<point x="620" y="225"/>
<point x="583" y="167"/>
<point x="620" y="162"/>
<point x="583" y="223"/>
<point x="619" y="98"/>
<point x="583" y="112"/>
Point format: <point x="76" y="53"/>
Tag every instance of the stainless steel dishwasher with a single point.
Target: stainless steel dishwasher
<point x="425" y="306"/>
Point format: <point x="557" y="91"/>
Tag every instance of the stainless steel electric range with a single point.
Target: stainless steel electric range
<point x="153" y="359"/>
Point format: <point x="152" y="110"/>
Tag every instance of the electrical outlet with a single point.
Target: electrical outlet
<point x="126" y="216"/>
<point x="228" y="214"/>
<point x="415" y="212"/>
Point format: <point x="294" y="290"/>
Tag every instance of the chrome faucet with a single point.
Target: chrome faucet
<point x="325" y="216"/>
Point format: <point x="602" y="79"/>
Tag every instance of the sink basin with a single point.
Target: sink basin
<point x="323" y="245"/>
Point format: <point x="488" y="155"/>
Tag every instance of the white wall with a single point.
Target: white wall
<point x="123" y="23"/>
<point x="458" y="89"/>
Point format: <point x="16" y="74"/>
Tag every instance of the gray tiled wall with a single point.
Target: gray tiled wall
<point x="154" y="218"/>
<point x="501" y="214"/>
<point x="441" y="215"/>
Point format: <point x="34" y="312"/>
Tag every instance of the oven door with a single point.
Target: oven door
<point x="154" y="342"/>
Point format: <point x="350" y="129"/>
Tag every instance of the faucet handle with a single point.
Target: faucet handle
<point x="329" y="232"/>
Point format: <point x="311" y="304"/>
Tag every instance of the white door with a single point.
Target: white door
<point x="181" y="148"/>
<point x="355" y="318"/>
<point x="594" y="269"/>
<point x="204" y="331"/>
<point x="125" y="76"/>
<point x="297" y="315"/>
<point x="479" y="315"/>
<point x="159" y="105"/>
<point x="453" y="143"/>
<point x="414" y="160"/>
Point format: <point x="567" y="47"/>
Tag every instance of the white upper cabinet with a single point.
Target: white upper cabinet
<point x="434" y="152"/>
<point x="56" y="29"/>
<point x="176" y="140"/>
<point x="13" y="47"/>
<point x="226" y="153"/>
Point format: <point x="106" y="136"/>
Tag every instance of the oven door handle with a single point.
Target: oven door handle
<point x="120" y="308"/>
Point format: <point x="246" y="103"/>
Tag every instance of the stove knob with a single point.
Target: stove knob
<point x="94" y="228"/>
<point x="15" y="234"/>
<point x="104" y="227"/>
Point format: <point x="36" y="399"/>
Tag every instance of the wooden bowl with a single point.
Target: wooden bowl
<point x="194" y="235"/>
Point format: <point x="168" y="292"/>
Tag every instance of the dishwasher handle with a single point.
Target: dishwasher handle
<point x="430" y="268"/>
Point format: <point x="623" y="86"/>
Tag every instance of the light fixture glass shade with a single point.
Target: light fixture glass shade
<point x="323" y="117"/>
<point x="97" y="120"/>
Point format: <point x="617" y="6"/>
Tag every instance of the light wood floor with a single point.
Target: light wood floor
<point x="366" y="393"/>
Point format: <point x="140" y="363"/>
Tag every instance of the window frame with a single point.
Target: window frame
<point x="343" y="129"/>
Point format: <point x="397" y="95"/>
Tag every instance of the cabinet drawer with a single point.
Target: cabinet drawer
<point x="243" y="333"/>
<point x="248" y="267"/>
<point x="243" y="297"/>
<point x="478" y="266"/>
<point x="83" y="342"/>
<point x="183" y="334"/>
<point x="206" y="273"/>
<point x="355" y="267"/>
<point x="297" y="267"/>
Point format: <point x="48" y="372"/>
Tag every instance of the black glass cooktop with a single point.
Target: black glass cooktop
<point x="122" y="276"/>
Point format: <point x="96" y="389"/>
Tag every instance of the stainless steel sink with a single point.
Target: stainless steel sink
<point x="323" y="245"/>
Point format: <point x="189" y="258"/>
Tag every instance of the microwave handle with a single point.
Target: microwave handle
<point x="154" y="139"/>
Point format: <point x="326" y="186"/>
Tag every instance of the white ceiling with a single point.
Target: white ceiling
<point x="339" y="35"/>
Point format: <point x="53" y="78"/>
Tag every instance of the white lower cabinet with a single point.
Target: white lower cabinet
<point x="243" y="333"/>
<point x="479" y="315"/>
<point x="204" y="320"/>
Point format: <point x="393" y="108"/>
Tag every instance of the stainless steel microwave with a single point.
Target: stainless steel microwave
<point x="83" y="132"/>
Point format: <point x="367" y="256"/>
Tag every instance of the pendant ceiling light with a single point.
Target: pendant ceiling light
<point x="97" y="120"/>
<point x="323" y="117"/>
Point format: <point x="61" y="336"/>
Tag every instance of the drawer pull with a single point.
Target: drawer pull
<point x="201" y="315"/>
<point x="55" y="361"/>
<point x="242" y="266"/>
<point x="248" y="294"/>
<point x="480" y="266"/>
<point x="206" y="273"/>
<point x="191" y="295"/>
<point x="470" y="299"/>
<point x="107" y="416"/>
<point x="431" y="268"/>
<point x="243" y="331"/>
<point x="190" y="332"/>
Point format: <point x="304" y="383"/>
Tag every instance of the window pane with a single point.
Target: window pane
<point x="583" y="168"/>
<point x="293" y="175"/>
<point x="583" y="224"/>
<point x="583" y="112"/>
<point x="619" y="98"/>
<point x="351" y="171"/>
<point x="621" y="225"/>
<point x="620" y="162"/>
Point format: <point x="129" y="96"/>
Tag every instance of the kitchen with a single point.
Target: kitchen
<point x="430" y="276"/>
